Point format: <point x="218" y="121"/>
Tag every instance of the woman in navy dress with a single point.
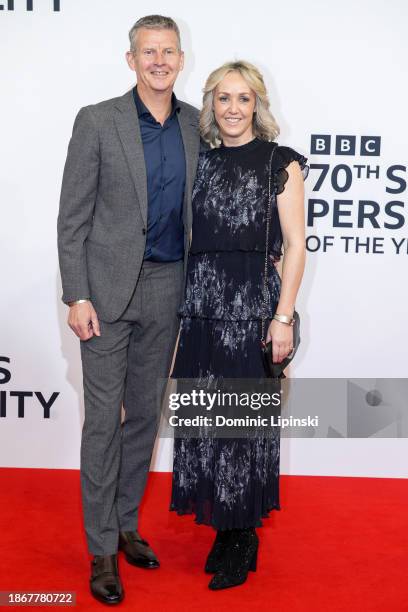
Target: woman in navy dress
<point x="231" y="484"/>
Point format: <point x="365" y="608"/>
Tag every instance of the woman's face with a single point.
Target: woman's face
<point x="234" y="106"/>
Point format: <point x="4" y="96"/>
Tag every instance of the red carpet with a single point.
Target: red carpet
<point x="337" y="544"/>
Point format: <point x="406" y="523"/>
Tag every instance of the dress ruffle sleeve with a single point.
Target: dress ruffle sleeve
<point x="283" y="157"/>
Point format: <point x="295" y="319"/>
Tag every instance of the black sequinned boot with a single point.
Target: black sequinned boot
<point x="239" y="558"/>
<point x="216" y="554"/>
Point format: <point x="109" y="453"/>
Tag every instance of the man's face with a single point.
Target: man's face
<point x="156" y="60"/>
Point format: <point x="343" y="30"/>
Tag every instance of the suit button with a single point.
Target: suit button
<point x="144" y="231"/>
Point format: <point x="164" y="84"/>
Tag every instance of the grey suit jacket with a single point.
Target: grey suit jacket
<point x="102" y="218"/>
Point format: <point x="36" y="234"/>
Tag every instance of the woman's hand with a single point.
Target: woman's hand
<point x="281" y="335"/>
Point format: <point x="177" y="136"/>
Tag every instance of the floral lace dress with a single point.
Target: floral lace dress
<point x="230" y="483"/>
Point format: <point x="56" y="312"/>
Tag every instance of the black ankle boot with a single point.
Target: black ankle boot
<point x="239" y="558"/>
<point x="215" y="556"/>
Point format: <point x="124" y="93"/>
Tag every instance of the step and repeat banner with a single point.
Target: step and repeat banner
<point x="336" y="78"/>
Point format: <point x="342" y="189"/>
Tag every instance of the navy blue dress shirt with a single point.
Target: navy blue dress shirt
<point x="166" y="176"/>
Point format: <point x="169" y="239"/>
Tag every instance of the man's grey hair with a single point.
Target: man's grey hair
<point x="153" y="22"/>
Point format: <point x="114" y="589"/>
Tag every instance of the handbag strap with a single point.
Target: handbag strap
<point x="266" y="297"/>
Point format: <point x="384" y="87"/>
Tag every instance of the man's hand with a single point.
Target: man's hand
<point x="83" y="320"/>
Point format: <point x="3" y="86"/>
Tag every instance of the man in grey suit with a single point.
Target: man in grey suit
<point x="123" y="232"/>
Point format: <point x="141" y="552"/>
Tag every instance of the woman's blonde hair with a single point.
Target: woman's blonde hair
<point x="263" y="123"/>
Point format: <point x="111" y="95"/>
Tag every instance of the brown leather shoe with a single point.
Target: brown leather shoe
<point x="137" y="551"/>
<point x="105" y="582"/>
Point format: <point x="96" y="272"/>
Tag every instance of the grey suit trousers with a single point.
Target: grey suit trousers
<point x="126" y="364"/>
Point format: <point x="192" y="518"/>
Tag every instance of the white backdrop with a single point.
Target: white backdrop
<point x="331" y="69"/>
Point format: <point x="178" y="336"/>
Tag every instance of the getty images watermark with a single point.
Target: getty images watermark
<point x="217" y="401"/>
<point x="228" y="408"/>
<point x="293" y="408"/>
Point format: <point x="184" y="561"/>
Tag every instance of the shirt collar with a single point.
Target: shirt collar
<point x="143" y="111"/>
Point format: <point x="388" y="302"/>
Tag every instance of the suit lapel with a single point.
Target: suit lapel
<point x="191" y="141"/>
<point x="127" y="124"/>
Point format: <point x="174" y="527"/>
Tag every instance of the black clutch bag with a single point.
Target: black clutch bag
<point x="274" y="370"/>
